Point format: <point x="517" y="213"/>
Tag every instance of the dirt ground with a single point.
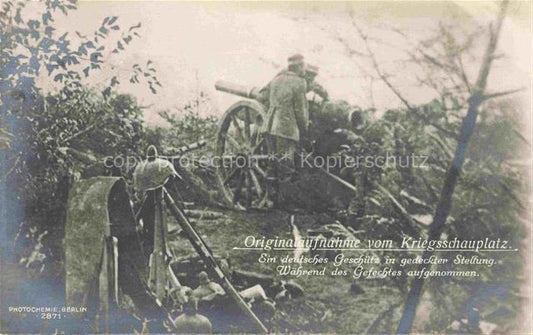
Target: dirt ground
<point x="330" y="304"/>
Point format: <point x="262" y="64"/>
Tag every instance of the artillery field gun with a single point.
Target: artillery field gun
<point x="240" y="145"/>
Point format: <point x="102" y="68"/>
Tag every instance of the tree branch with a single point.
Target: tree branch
<point x="521" y="137"/>
<point x="500" y="94"/>
<point x="78" y="134"/>
<point x="412" y="221"/>
<point x="463" y="74"/>
<point x="12" y="168"/>
<point x="372" y="57"/>
<point x="445" y="202"/>
<point x="372" y="328"/>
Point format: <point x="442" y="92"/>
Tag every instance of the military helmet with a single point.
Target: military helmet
<point x="153" y="172"/>
<point x="203" y="278"/>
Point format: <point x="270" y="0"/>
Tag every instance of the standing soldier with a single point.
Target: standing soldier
<point x="287" y="119"/>
<point x="311" y="72"/>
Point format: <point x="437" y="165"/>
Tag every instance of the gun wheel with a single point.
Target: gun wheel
<point x="242" y="157"/>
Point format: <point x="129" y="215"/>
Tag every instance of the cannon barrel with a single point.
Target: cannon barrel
<point x="332" y="115"/>
<point x="328" y="115"/>
<point x="236" y="89"/>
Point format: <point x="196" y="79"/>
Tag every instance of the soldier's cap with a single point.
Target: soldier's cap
<point x="311" y="69"/>
<point x="296" y="59"/>
<point x="203" y="278"/>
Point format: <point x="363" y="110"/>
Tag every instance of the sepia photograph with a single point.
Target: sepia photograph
<point x="257" y="167"/>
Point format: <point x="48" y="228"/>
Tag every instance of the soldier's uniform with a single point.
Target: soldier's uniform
<point x="287" y="118"/>
<point x="286" y="123"/>
<point x="311" y="72"/>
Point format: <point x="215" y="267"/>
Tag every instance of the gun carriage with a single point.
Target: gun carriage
<point x="243" y="153"/>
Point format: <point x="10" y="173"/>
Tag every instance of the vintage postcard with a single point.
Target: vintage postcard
<point x="265" y="167"/>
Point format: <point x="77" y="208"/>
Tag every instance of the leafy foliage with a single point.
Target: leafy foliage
<point x="397" y="202"/>
<point x="53" y="137"/>
<point x="188" y="124"/>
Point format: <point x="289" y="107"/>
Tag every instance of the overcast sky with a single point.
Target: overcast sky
<point x="195" y="44"/>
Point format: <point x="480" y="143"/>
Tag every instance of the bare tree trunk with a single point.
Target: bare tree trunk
<point x="445" y="202"/>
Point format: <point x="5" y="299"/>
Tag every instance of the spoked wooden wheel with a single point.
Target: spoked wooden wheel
<point x="242" y="157"/>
